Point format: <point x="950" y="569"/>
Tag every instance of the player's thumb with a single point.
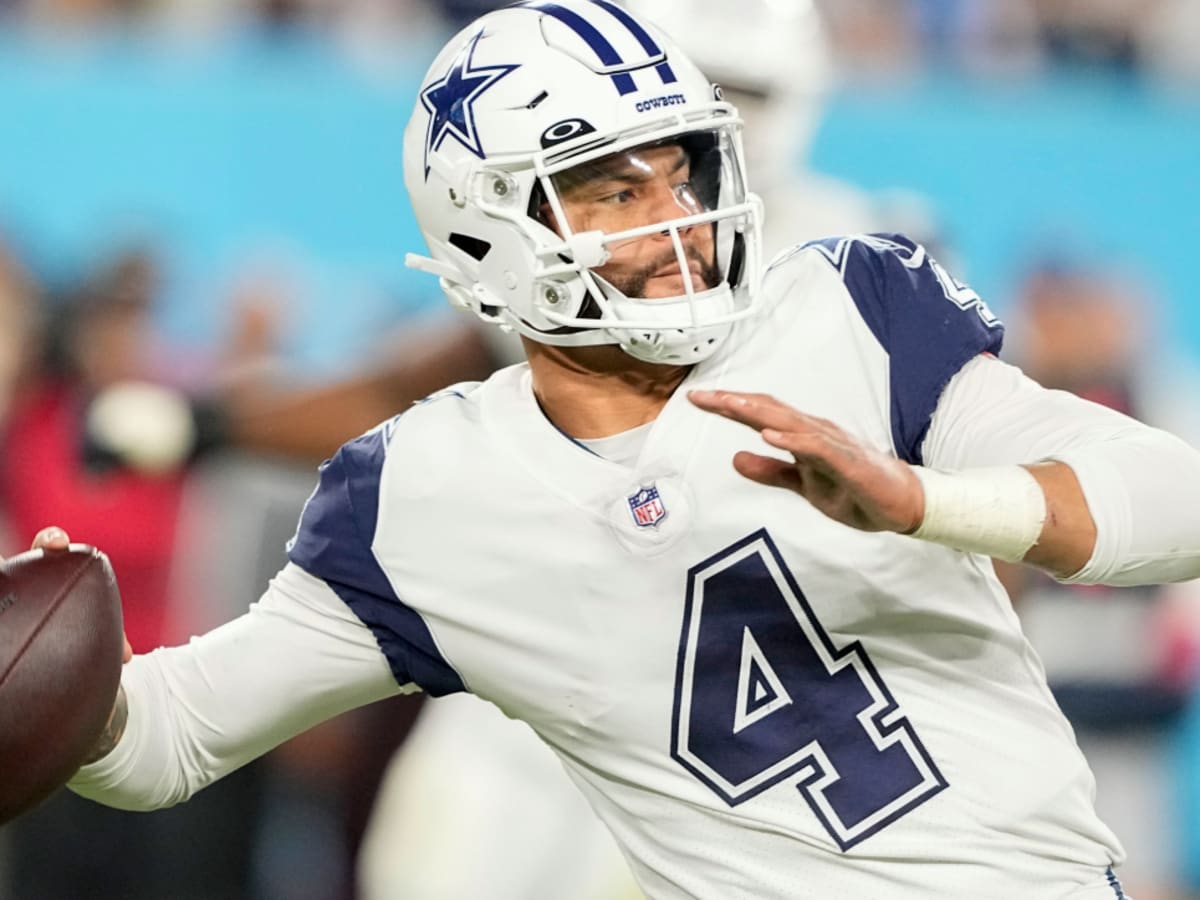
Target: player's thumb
<point x="51" y="538"/>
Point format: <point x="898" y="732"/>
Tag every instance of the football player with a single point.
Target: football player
<point x="425" y="810"/>
<point x="795" y="675"/>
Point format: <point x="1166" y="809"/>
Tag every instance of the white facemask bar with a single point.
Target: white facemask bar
<point x="748" y="211"/>
<point x="589" y="249"/>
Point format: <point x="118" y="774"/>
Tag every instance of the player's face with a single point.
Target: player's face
<point x="640" y="187"/>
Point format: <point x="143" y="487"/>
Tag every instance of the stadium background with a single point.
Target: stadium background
<point x="255" y="147"/>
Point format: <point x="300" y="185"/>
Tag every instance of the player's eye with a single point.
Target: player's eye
<point x="616" y="198"/>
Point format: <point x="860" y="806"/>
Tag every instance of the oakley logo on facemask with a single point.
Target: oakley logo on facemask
<point x="565" y="131"/>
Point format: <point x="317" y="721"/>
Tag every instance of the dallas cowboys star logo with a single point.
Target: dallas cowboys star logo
<point x="449" y="100"/>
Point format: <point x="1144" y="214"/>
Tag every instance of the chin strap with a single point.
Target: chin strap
<point x="431" y="266"/>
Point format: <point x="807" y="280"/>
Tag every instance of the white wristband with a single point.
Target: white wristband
<point x="998" y="511"/>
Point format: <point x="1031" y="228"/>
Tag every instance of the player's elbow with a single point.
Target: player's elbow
<point x="128" y="802"/>
<point x="1144" y="496"/>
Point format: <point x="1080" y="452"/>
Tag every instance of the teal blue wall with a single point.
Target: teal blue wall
<point x="1111" y="164"/>
<point x="292" y="152"/>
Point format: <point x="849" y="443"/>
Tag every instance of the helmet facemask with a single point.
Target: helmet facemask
<point x="613" y="227"/>
<point x="656" y="234"/>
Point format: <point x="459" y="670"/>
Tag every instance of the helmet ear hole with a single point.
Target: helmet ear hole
<point x="474" y="247"/>
<point x="737" y="260"/>
<point x="539" y="208"/>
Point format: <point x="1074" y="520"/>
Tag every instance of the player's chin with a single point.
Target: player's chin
<point x="672" y="285"/>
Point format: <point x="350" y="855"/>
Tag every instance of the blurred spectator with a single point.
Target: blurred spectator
<point x="1122" y="662"/>
<point x="381" y="17"/>
<point x="1085" y="328"/>
<point x="873" y="38"/>
<point x="1169" y="41"/>
<point x="50" y="470"/>
<point x="19" y="325"/>
<point x="49" y="465"/>
<point x="18" y="306"/>
<point x="75" y="16"/>
<point x="1093" y="31"/>
<point x="459" y="13"/>
<point x="981" y="35"/>
<point x="1011" y="37"/>
<point x="283" y="13"/>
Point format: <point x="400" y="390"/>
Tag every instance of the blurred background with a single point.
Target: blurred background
<point x="202" y="294"/>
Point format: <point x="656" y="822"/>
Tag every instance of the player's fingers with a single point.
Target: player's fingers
<point x="799" y="443"/>
<point x="818" y="449"/>
<point x="766" y="470"/>
<point x="127" y="653"/>
<point x="51" y="538"/>
<point x="758" y="411"/>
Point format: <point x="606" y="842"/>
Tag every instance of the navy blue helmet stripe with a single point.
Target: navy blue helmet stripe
<point x="607" y="52"/>
<point x="643" y="37"/>
<point x="604" y="50"/>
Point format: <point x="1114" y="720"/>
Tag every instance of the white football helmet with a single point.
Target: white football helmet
<point x="540" y="104"/>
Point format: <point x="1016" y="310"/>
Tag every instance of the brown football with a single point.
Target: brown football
<point x="61" y="641"/>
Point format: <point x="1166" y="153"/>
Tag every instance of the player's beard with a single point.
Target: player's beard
<point x="633" y="283"/>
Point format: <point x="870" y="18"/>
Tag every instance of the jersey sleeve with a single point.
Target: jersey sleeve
<point x="928" y="323"/>
<point x="199" y="711"/>
<point x="334" y="542"/>
<point x="1141" y="484"/>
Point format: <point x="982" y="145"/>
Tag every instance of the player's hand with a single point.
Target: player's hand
<point x="54" y="538"/>
<point x="846" y="480"/>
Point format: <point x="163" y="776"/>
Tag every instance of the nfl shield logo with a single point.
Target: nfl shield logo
<point x="647" y="507"/>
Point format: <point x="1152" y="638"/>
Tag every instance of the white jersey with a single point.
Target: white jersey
<point x="758" y="701"/>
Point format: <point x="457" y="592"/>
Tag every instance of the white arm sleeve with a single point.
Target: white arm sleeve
<point x="197" y="712"/>
<point x="1142" y="485"/>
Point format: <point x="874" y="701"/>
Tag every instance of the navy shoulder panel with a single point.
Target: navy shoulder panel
<point x="333" y="543"/>
<point x="929" y="323"/>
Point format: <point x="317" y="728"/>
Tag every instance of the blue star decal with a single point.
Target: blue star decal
<point x="449" y="100"/>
